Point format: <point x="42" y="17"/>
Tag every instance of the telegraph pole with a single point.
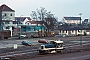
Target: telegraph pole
<point x="20" y="26"/>
<point x="81" y="30"/>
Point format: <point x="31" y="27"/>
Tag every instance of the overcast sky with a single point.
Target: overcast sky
<point x="60" y="8"/>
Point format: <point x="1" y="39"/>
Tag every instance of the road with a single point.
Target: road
<point x="10" y="43"/>
<point x="69" y="56"/>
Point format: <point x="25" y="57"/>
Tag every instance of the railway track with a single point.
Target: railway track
<point x="17" y="53"/>
<point x="32" y="52"/>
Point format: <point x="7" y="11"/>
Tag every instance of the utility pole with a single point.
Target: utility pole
<point x="81" y="30"/>
<point x="20" y="26"/>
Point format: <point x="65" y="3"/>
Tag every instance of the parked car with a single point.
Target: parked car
<point x="22" y="36"/>
<point x="26" y="42"/>
<point x="43" y="41"/>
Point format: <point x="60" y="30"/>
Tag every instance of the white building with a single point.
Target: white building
<point x="71" y="20"/>
<point x="7" y="15"/>
<point x="20" y="21"/>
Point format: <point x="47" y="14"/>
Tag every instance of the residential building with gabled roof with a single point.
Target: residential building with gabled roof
<point x="5" y="8"/>
<point x="22" y="18"/>
<point x="73" y="26"/>
<point x="6" y="17"/>
<point x="20" y="21"/>
<point x="71" y="20"/>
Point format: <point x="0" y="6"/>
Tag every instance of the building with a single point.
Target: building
<point x="73" y="26"/>
<point x="71" y="20"/>
<point x="86" y="21"/>
<point x="74" y="31"/>
<point x="20" y="21"/>
<point x="6" y="17"/>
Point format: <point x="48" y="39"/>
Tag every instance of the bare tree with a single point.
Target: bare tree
<point x="44" y="16"/>
<point x="47" y="18"/>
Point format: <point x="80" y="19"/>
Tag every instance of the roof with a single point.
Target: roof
<point x="58" y="41"/>
<point x="22" y="18"/>
<point x="86" y="20"/>
<point x="76" y="28"/>
<point x="50" y="19"/>
<point x="39" y="22"/>
<point x="72" y="18"/>
<point x="32" y="22"/>
<point x="5" y="8"/>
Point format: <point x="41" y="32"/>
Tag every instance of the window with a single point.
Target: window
<point x="66" y="31"/>
<point x="60" y="31"/>
<point x="14" y="22"/>
<point x="7" y="27"/>
<point x="79" y="31"/>
<point x="11" y="14"/>
<point x="28" y="23"/>
<point x="59" y="45"/>
<point x="5" y="14"/>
